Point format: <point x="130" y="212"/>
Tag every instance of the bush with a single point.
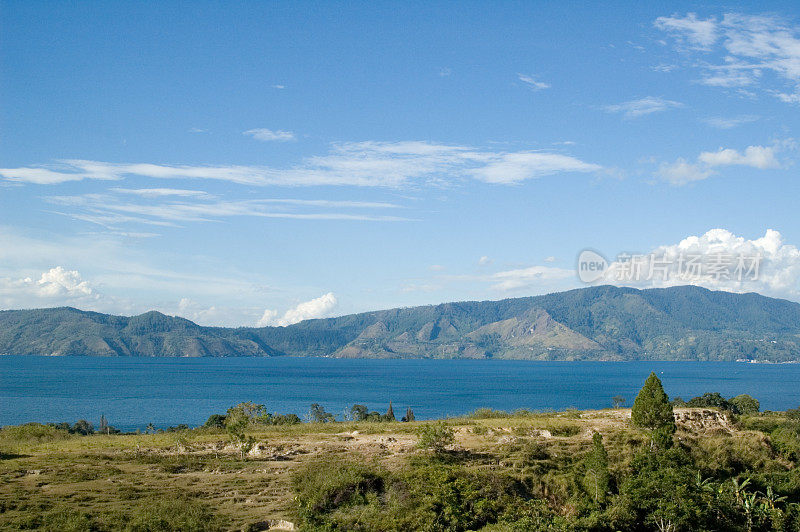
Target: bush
<point x="168" y="514"/>
<point x="745" y="405"/>
<point x="435" y="436"/>
<point x="327" y="485"/>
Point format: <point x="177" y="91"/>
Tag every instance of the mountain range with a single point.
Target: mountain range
<point x="595" y="323"/>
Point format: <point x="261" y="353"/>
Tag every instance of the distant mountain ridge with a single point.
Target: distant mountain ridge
<point x="595" y="323"/>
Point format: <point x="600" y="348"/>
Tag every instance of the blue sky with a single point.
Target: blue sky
<point x="269" y="162"/>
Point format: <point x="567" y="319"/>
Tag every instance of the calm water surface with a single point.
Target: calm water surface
<point x="132" y="392"/>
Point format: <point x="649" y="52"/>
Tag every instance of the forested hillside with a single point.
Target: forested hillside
<point x="597" y="323"/>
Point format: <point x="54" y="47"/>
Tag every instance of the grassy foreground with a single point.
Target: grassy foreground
<point x="492" y="471"/>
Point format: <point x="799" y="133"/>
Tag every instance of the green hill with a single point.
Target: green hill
<point x="597" y="323"/>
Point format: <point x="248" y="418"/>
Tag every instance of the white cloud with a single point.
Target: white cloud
<point x="436" y="268"/>
<point x="729" y="123"/>
<point x="320" y="307"/>
<point x="691" y="30"/>
<point x="760" y="157"/>
<point x="682" y="172"/>
<point x="512" y="168"/>
<point x="268" y="135"/>
<point x="484" y="261"/>
<point x="528" y="277"/>
<point x="56" y="286"/>
<point x="550" y="259"/>
<point x="361" y="164"/>
<point x="742" y="50"/>
<point x="778" y="272"/>
<point x="159" y="192"/>
<point x="642" y="106"/>
<point x="532" y="83"/>
<point x="163" y="209"/>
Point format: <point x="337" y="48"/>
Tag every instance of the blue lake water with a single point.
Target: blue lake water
<point x="132" y="392"/>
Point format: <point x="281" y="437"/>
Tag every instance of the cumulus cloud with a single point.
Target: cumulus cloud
<point x="532" y="83"/>
<point x="57" y="286"/>
<point x="766" y="265"/>
<point x="268" y="135"/>
<point x="682" y="172"/>
<point x="642" y="107"/>
<point x="360" y="164"/>
<point x="484" y="261"/>
<point x="741" y="50"/>
<point x="320" y="307"/>
<point x="760" y="157"/>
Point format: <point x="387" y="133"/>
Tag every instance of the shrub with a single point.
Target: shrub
<point x="435" y="436"/>
<point x="169" y="514"/>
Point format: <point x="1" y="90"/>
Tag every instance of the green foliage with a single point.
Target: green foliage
<point x="435" y="436"/>
<point x="216" y="421"/>
<point x="678" y="323"/>
<point x="168" y="515"/>
<point x="597" y="479"/>
<point x="709" y="400"/>
<point x="745" y="405"/>
<point x="652" y="411"/>
<point x="317" y="414"/>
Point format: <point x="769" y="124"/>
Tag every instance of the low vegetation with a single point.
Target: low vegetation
<point x="707" y="464"/>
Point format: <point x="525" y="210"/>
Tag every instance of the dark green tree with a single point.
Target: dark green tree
<point x="317" y="414"/>
<point x="359" y="412"/>
<point x="389" y="416"/>
<point x="597" y="479"/>
<point x="744" y="404"/>
<point x="653" y="411"/>
<point x="409" y="415"/>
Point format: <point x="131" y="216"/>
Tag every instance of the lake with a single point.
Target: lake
<point x="132" y="392"/>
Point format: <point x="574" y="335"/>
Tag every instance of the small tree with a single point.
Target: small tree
<point x="744" y="404"/>
<point x="597" y="479"/>
<point x="389" y="416"/>
<point x="82" y="427"/>
<point x="617" y="401"/>
<point x="317" y="414"/>
<point x="653" y="411"/>
<point x="435" y="436"/>
<point x="359" y="412"/>
<point x="409" y="415"/>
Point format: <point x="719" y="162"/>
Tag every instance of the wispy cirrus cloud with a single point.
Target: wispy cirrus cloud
<point x="358" y="164"/>
<point x="532" y="82"/>
<point x="721" y="122"/>
<point x="738" y="51"/>
<point x="268" y="135"/>
<point x="111" y="211"/>
<point x="642" y="106"/>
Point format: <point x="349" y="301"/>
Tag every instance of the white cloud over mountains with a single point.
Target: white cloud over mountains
<point x="359" y="164"/>
<point x="739" y="51"/>
<point x="57" y="286"/>
<point x="320" y="307"/>
<point x="777" y="273"/>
